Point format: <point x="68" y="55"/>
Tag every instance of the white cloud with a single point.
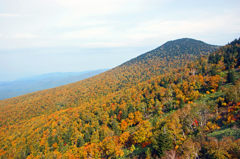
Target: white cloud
<point x="9" y="15"/>
<point x="101" y="45"/>
<point x="96" y="33"/>
<point x="71" y="21"/>
<point x="139" y="35"/>
<point x="25" y="36"/>
<point x="98" y="7"/>
<point x="185" y="26"/>
<point x="112" y="22"/>
<point x="172" y="27"/>
<point x="88" y="12"/>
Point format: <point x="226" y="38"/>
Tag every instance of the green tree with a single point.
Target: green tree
<point x="162" y="143"/>
<point x="124" y="114"/>
<point x="87" y="137"/>
<point x="50" y="142"/>
<point x="213" y="71"/>
<point x="67" y="136"/>
<point x="155" y="120"/>
<point x="80" y="141"/>
<point x="56" y="139"/>
<point x="115" y="128"/>
<point x="28" y="151"/>
<point x="219" y="85"/>
<point x="181" y="104"/>
<point x="111" y="113"/>
<point x="203" y="68"/>
<point x="230" y="76"/>
<point x="116" y="111"/>
<point x="130" y="109"/>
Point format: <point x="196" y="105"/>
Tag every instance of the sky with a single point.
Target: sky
<point x="43" y="36"/>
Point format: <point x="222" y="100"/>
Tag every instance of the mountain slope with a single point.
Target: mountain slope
<point x="117" y="79"/>
<point x="46" y="81"/>
<point x="55" y="122"/>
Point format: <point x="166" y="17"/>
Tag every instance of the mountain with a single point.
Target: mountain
<point x="175" y="48"/>
<point x="180" y="100"/>
<point x="19" y="87"/>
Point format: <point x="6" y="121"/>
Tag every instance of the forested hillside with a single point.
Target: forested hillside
<point x="175" y="101"/>
<point x="92" y="89"/>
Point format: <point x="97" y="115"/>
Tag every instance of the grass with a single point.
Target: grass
<point x="219" y="134"/>
<point x="210" y="97"/>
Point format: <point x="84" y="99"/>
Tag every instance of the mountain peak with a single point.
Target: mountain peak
<point x="177" y="47"/>
<point x="185" y="41"/>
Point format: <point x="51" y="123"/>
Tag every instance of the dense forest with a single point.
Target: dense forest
<point x="181" y="100"/>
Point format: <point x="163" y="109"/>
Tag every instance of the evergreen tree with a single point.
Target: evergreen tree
<point x="101" y="134"/>
<point x="155" y="120"/>
<point x="115" y="128"/>
<point x="67" y="136"/>
<point x="56" y="139"/>
<point x="50" y="141"/>
<point x="95" y="137"/>
<point x="219" y="85"/>
<point x="124" y="114"/>
<point x="80" y="142"/>
<point x="86" y="137"/>
<point x="116" y="111"/>
<point x="91" y="130"/>
<point x="162" y="143"/>
<point x="230" y="76"/>
<point x="238" y="59"/>
<point x="130" y="109"/>
<point x="213" y="71"/>
<point x="228" y="65"/>
<point x="28" y="151"/>
<point x="203" y="69"/>
<point x="111" y="113"/>
<point x="217" y="57"/>
<point x="227" y="59"/>
<point x="181" y="104"/>
<point x="211" y="58"/>
<point x="60" y="147"/>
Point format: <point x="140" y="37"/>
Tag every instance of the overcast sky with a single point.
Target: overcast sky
<point x="42" y="36"/>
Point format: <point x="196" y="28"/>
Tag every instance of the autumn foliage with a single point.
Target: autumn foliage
<point x="152" y="100"/>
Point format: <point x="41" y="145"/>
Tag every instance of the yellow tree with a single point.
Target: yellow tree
<point x="137" y="117"/>
<point x="143" y="133"/>
<point x="175" y="127"/>
<point x="124" y="125"/>
<point x="111" y="147"/>
<point x="124" y="137"/>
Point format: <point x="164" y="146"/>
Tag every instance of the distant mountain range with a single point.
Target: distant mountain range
<point x="19" y="87"/>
